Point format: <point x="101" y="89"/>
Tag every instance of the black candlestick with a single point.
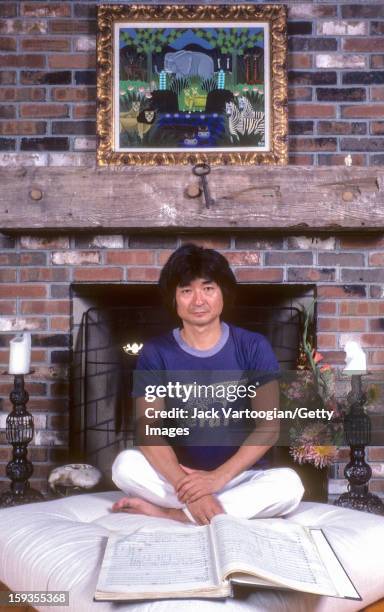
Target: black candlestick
<point x="19" y="432"/>
<point x="357" y="427"/>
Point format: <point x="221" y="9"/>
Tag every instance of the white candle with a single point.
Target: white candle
<point x="355" y="360"/>
<point x="20" y="354"/>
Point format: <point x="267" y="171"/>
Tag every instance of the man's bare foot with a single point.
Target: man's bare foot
<point x="136" y="505"/>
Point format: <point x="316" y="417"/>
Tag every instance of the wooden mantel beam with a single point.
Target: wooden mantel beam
<point x="290" y="198"/>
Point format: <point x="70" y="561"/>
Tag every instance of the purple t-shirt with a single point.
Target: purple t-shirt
<point x="240" y="356"/>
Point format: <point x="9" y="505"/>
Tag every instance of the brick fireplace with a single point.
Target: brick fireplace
<point x="41" y="274"/>
<point x="66" y="224"/>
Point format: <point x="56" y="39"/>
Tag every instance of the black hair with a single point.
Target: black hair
<point x="190" y="262"/>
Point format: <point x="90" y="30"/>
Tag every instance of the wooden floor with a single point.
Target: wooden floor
<point x="10" y="608"/>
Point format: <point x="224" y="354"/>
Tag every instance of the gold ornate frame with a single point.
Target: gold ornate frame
<point x="274" y="15"/>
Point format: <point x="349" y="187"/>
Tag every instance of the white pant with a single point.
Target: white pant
<point x="262" y="493"/>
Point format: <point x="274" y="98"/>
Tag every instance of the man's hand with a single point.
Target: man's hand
<point x="197" y="483"/>
<point x="204" y="509"/>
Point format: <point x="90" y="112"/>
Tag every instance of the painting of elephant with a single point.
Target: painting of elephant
<point x="189" y="63"/>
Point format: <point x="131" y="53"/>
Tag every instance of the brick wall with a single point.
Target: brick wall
<point x="36" y="273"/>
<point x="336" y="73"/>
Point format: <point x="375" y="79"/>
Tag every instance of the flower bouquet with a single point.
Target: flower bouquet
<point x="314" y="441"/>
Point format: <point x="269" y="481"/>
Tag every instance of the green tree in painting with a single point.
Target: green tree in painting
<point x="150" y="40"/>
<point x="231" y="41"/>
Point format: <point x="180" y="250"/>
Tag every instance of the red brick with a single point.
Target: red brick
<point x="33" y="259"/>
<point x="73" y="94"/>
<point x="8" y="9"/>
<point x="34" y="388"/>
<point x="326" y="308"/>
<point x="98" y="274"/>
<point x="345" y="291"/>
<point x="343" y="454"/>
<point x="7" y="307"/>
<point x="334" y="357"/>
<point x="23" y="291"/>
<point x="376" y="454"/>
<point x="45" y="307"/>
<point x="7" y="275"/>
<point x="6" y="454"/>
<point x="301" y="111"/>
<point x="45" y="44"/>
<point x="60" y="324"/>
<point x="262" y="275"/>
<point x="368" y="308"/>
<point x="301" y="160"/>
<point x="7" y="77"/>
<point x="208" y="242"/>
<point x="326" y="341"/>
<point x="377" y="93"/>
<point x="376" y="259"/>
<point x="72" y="26"/>
<point x="37" y="454"/>
<point x="303" y="94"/>
<point x="362" y="241"/>
<point x="84" y="111"/>
<point x="48" y="405"/>
<point x="127" y="258"/>
<point x="22" y="94"/>
<point x="163" y="256"/>
<point x="377" y="62"/>
<point x="22" y="61"/>
<point x="299" y="61"/>
<point x="9" y="259"/>
<point x="341" y="325"/>
<point x="335" y="159"/>
<point x="376" y="325"/>
<point x="368" y="44"/>
<point x="341" y="259"/>
<point x="377" y="128"/>
<point x="41" y="470"/>
<point x="281" y="258"/>
<point x="60" y="388"/>
<point x="22" y="128"/>
<point x="363" y="110"/>
<point x="313" y="144"/>
<point x="58" y="422"/>
<point x="32" y="275"/>
<point x="372" y="340"/>
<point x="38" y="242"/>
<point x="44" y="110"/>
<point x="242" y="258"/>
<point x="143" y="274"/>
<point x="39" y="356"/>
<point x="7" y="43"/>
<point x="81" y="61"/>
<point x="7" y="111"/>
<point x="310" y="275"/>
<point x="376" y="485"/>
<point x="45" y="9"/>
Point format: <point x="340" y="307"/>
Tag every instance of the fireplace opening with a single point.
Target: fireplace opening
<point x="110" y="322"/>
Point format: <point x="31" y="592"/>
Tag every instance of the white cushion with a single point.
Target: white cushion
<point x="59" y="545"/>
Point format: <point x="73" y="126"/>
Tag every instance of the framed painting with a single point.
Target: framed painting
<point x="180" y="84"/>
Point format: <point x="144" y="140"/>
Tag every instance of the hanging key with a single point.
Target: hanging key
<point x="202" y="170"/>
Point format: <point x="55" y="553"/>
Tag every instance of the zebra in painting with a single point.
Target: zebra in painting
<point x="243" y="122"/>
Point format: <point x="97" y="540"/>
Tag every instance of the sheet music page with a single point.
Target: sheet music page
<point x="271" y="548"/>
<point x="158" y="560"/>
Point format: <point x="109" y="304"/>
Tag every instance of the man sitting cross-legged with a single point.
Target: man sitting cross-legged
<point x="194" y="480"/>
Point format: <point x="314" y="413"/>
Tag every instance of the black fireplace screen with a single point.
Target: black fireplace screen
<point x="102" y="371"/>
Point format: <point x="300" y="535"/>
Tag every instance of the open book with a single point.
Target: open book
<point x="206" y="561"/>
